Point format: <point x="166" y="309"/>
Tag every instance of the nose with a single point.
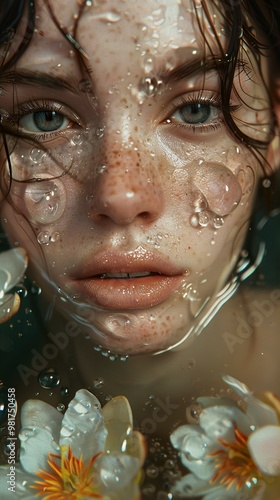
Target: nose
<point x="126" y="189"/>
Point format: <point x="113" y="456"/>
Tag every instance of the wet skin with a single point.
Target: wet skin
<point x="144" y="196"/>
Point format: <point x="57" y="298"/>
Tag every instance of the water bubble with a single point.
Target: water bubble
<point x="194" y="220"/>
<point x="149" y="490"/>
<point x="45" y="201"/>
<point x="101" y="169"/>
<point x="36" y="155"/>
<point x="218" y="222"/>
<point x="150" y="86"/>
<point x="193" y="413"/>
<point x="266" y="183"/>
<point x="148" y="63"/>
<point x="204" y="218"/>
<point x="44" y="238"/>
<point x="48" y="379"/>
<point x="112" y="16"/>
<point x="152" y="471"/>
<point x="55" y="237"/>
<point x="76" y="140"/>
<point x="85" y="86"/>
<point x="98" y="383"/>
<point x="35" y="289"/>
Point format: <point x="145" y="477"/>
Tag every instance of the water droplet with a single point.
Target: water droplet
<point x="48" y="379"/>
<point x="101" y="169"/>
<point x="152" y="471"/>
<point x="203" y="219"/>
<point x="266" y="183"/>
<point x="44" y="238"/>
<point x="150" y="86"/>
<point x="66" y="431"/>
<point x="60" y="407"/>
<point x="110" y="17"/>
<point x="218" y="222"/>
<point x="76" y="140"/>
<point x="45" y="201"/>
<point x="55" y="237"/>
<point x="35" y="289"/>
<point x="64" y="391"/>
<point x="148" y="63"/>
<point x="98" y="383"/>
<point x="36" y="155"/>
<point x="85" y="86"/>
<point x="3" y="404"/>
<point x="194" y="220"/>
<point x="193" y="413"/>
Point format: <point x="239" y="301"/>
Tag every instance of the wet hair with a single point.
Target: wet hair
<point x="253" y="23"/>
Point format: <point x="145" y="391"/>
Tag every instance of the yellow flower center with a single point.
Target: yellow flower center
<point x="234" y="464"/>
<point x="69" y="478"/>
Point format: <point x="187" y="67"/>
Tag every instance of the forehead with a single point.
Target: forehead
<point x="126" y="30"/>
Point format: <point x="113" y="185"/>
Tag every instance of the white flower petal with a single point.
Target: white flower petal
<point x="83" y="426"/>
<point x="203" y="469"/>
<point x="259" y="413"/>
<point x="35" y="446"/>
<point x="240" y="388"/>
<point x="116" y="471"/>
<point x="36" y="413"/>
<point x="9" y="306"/>
<point x="264" y="447"/>
<point x="13" y="264"/>
<point x="190" y="486"/>
<point x="118" y="422"/>
<point x="191" y="440"/>
<point x="219" y="422"/>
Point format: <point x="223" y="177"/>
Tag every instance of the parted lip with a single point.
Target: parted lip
<point x="112" y="262"/>
<point x="108" y="279"/>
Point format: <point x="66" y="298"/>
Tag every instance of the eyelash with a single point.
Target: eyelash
<point x="189" y="100"/>
<point x="33" y="106"/>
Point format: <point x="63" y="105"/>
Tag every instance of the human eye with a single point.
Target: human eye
<point x="42" y="119"/>
<point x="196" y="110"/>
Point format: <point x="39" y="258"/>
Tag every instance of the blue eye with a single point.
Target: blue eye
<point x="196" y="113"/>
<point x="43" y="121"/>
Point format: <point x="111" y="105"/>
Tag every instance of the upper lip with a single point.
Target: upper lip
<point x="138" y="260"/>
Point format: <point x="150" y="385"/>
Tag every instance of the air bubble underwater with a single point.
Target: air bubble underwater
<point x="48" y="379"/>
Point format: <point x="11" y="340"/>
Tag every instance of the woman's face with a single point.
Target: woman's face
<point x="140" y="197"/>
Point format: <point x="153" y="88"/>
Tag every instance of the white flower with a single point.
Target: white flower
<point x="13" y="264"/>
<point x="86" y="453"/>
<point x="232" y="453"/>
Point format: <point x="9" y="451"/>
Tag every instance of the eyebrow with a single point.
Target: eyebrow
<point x="27" y="77"/>
<point x="194" y="66"/>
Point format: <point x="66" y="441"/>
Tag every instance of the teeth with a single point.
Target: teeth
<point x="126" y="275"/>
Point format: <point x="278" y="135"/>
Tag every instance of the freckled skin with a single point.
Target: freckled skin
<point x="150" y="179"/>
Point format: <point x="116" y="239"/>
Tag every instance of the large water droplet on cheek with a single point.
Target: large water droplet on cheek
<point x="45" y="201"/>
<point x="220" y="187"/>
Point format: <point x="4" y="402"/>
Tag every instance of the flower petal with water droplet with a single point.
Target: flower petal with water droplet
<point x="83" y="426"/>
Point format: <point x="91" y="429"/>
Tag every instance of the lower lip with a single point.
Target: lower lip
<point x="133" y="293"/>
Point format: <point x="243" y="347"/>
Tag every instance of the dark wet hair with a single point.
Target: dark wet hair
<point x="255" y="22"/>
